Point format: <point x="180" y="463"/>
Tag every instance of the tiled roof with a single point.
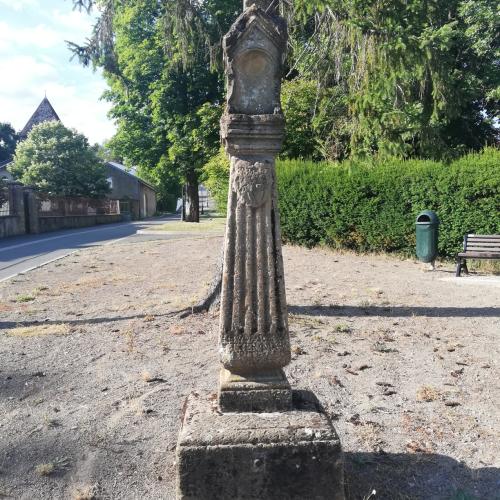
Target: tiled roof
<point x="44" y="113"/>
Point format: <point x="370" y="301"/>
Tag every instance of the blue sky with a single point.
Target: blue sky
<point x="34" y="60"/>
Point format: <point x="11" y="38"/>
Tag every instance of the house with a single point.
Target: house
<point x="44" y="113"/>
<point x="137" y="197"/>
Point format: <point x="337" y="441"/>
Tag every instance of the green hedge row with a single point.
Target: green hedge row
<point x="372" y="206"/>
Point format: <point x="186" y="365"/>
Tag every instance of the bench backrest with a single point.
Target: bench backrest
<point x="482" y="243"/>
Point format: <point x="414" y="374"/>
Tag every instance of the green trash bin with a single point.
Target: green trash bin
<point x="427" y="227"/>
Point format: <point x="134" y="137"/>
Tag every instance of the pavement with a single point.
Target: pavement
<point x="21" y="254"/>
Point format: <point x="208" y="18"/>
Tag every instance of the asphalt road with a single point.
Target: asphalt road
<point x="22" y="253"/>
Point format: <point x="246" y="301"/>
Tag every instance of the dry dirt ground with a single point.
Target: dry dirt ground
<point x="94" y="370"/>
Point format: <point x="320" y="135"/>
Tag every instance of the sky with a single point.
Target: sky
<point x="34" y="59"/>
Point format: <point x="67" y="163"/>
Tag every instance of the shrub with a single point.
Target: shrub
<point x="372" y="206"/>
<point x="216" y="179"/>
<point x="59" y="161"/>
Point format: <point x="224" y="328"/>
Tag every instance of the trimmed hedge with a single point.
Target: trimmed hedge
<point x="372" y="206"/>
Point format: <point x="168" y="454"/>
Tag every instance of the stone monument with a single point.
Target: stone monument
<point x="257" y="440"/>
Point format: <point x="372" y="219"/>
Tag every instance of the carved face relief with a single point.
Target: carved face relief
<point x="252" y="182"/>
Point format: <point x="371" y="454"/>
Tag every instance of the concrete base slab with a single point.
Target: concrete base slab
<point x="293" y="455"/>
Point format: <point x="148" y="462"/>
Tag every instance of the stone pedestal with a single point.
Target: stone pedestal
<point x="265" y="391"/>
<point x="293" y="455"/>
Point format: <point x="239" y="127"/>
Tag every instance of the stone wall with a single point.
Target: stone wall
<point x="26" y="217"/>
<point x="47" y="224"/>
<point x="147" y="201"/>
<point x="14" y="224"/>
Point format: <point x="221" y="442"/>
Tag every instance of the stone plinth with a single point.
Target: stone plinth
<point x="265" y="391"/>
<point x="293" y="455"/>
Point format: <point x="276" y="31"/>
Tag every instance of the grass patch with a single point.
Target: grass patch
<point x="25" y="298"/>
<point x="212" y="224"/>
<point x="343" y="328"/>
<point x="46" y="469"/>
<point x="86" y="492"/>
<point x="38" y="330"/>
<point x="484" y="266"/>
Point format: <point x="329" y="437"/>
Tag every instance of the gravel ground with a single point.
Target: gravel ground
<point x="95" y="367"/>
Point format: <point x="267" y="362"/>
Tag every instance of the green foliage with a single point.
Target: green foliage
<point x="372" y="206"/>
<point x="216" y="179"/>
<point x="59" y="161"/>
<point x="8" y="141"/>
<point x="165" y="87"/>
<point x="422" y="78"/>
<point x="316" y="124"/>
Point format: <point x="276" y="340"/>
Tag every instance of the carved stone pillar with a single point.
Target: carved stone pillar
<point x="254" y="343"/>
<point x="259" y="446"/>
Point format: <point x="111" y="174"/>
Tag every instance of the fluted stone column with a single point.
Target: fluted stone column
<point x="254" y="342"/>
<point x="253" y="443"/>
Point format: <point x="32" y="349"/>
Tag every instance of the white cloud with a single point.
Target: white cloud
<point x="73" y="23"/>
<point x="75" y="98"/>
<point x="40" y="36"/>
<point x="22" y="72"/>
<point x="80" y="108"/>
<point x="19" y="5"/>
<point x="35" y="60"/>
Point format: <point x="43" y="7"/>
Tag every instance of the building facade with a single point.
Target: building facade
<point x="137" y="197"/>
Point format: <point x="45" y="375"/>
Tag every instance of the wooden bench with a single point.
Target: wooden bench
<point x="478" y="246"/>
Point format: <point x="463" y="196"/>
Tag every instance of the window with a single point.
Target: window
<point x="110" y="182"/>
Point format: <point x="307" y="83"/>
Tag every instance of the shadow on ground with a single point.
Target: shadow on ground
<point x="417" y="476"/>
<point x="408" y="476"/>
<point x="396" y="311"/>
<point x="7" y="325"/>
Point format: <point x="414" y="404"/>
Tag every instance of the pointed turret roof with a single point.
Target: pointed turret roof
<point x="44" y="113"/>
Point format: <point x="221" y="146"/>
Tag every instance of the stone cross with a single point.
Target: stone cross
<point x="254" y="343"/>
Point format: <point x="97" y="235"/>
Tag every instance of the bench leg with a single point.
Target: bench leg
<point x="459" y="267"/>
<point x="465" y="268"/>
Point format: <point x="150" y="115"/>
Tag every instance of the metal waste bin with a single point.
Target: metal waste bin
<point x="427" y="227"/>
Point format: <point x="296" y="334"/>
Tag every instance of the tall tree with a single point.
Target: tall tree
<point x="166" y="88"/>
<point x="423" y="77"/>
<point x="59" y="161"/>
<point x="8" y="141"/>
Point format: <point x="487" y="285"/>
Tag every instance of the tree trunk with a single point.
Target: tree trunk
<point x="191" y="211"/>
<point x="211" y="300"/>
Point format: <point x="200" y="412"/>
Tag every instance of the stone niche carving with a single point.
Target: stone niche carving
<point x="253" y="49"/>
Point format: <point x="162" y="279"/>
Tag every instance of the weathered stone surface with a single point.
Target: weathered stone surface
<point x="253" y="56"/>
<point x="252" y="441"/>
<point x="253" y="323"/>
<point x="262" y="456"/>
<point x="265" y="391"/>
